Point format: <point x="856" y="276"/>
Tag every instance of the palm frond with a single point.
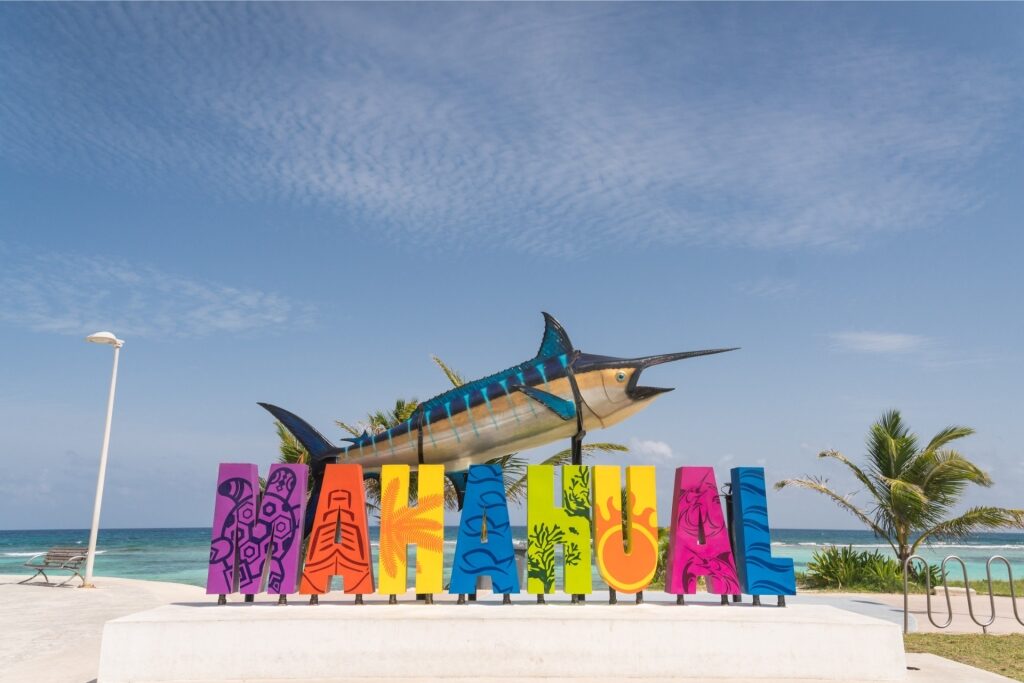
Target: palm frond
<point x="291" y="451"/>
<point x="453" y="375"/>
<point x="351" y="429"/>
<point x="974" y="519"/>
<point x="822" y="487"/>
<point x="948" y="434"/>
<point x="861" y="476"/>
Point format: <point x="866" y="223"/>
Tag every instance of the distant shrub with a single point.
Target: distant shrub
<point x="845" y="568"/>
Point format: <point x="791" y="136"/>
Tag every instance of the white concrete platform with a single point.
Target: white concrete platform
<point x="339" y="642"/>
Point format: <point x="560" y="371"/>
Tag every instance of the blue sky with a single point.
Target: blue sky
<point x="300" y="203"/>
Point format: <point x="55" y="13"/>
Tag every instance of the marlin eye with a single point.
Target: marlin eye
<point x="620" y="376"/>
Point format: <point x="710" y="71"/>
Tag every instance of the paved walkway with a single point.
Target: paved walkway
<point x="52" y="635"/>
<point x="890" y="607"/>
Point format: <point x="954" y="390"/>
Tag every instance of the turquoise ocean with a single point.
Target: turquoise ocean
<point x="180" y="555"/>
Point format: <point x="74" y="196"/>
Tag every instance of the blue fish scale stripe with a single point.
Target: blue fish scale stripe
<point x="448" y="412"/>
<point x="529" y="373"/>
<point x="472" y="422"/>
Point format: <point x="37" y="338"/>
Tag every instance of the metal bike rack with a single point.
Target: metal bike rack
<point x="967" y="591"/>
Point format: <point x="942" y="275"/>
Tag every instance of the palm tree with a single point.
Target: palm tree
<point x="913" y="490"/>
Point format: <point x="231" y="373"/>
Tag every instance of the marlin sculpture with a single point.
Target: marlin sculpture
<point x="559" y="393"/>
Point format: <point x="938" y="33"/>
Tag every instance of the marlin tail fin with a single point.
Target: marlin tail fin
<point x="313" y="441"/>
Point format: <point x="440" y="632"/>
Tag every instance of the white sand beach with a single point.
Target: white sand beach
<point x="52" y="635"/>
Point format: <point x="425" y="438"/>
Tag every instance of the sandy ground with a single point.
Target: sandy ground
<point x="52" y="635"/>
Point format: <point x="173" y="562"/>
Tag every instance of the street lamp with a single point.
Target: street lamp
<point x="90" y="558"/>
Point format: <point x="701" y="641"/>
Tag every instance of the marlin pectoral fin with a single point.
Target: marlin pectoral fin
<point x="559" y="406"/>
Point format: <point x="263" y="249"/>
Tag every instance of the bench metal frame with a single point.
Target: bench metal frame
<point x="71" y="564"/>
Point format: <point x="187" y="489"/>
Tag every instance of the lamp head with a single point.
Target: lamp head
<point x="105" y="338"/>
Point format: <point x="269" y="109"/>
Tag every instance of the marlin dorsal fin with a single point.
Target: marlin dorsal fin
<point x="555" y="341"/>
<point x="356" y="439"/>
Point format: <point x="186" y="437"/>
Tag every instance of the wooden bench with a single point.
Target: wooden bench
<point x="68" y="559"/>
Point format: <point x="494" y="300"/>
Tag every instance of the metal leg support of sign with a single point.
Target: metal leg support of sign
<point x="314" y="600"/>
<point x="222" y="599"/>
<point x="282" y="599"/>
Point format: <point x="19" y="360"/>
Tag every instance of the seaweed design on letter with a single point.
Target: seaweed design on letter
<point x="576" y="496"/>
<point x="542" y="564"/>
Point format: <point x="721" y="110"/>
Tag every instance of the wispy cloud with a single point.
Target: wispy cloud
<point x="878" y="342"/>
<point x="769" y="288"/>
<point x="70" y="294"/>
<point x="644" y="448"/>
<point x="545" y="129"/>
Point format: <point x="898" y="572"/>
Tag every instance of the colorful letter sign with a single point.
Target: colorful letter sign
<point x="759" y="572"/>
<point x="627" y="562"/>
<point x="485" y="507"/>
<point x="339" y="544"/>
<point x="402" y="525"/>
<point x="699" y="542"/>
<point x="257" y="535"/>
<point x="548" y="526"/>
<point x="246" y="525"/>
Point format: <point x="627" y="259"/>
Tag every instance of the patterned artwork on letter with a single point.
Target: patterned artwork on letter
<point x="549" y="526"/>
<point x="485" y="500"/>
<point x="402" y="525"/>
<point x="759" y="572"/>
<point x="627" y="571"/>
<point x="699" y="542"/>
<point x="339" y="543"/>
<point x="244" y="532"/>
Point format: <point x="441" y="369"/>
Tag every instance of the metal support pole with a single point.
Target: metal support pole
<point x="314" y="599"/>
<point x="90" y="556"/>
<point x="727" y="494"/>
<point x="282" y="599"/>
<point x="222" y="599"/>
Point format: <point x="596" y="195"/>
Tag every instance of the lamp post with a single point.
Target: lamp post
<point x="90" y="558"/>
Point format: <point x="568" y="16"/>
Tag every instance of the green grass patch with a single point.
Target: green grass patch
<point x="1003" y="655"/>
<point x="998" y="587"/>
